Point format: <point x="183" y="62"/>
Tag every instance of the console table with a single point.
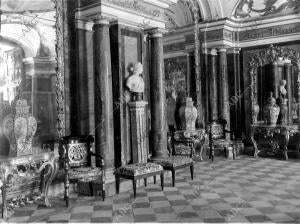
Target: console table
<point x="276" y="136"/>
<point x="22" y="175"/>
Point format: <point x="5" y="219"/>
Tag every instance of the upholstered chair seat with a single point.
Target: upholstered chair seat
<point x="174" y="161"/>
<point x="138" y="171"/>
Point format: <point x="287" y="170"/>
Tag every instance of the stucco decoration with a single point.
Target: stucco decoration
<point x="258" y="8"/>
<point x="181" y="14"/>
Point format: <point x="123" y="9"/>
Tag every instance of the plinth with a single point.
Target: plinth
<point x="139" y="135"/>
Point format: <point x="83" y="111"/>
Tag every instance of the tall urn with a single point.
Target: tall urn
<point x="19" y="127"/>
<point x="188" y="115"/>
<point x="271" y="111"/>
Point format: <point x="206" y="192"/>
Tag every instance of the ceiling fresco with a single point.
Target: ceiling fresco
<point x="257" y="8"/>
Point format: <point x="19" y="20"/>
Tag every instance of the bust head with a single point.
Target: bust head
<point x="135" y="82"/>
<point x="137" y="68"/>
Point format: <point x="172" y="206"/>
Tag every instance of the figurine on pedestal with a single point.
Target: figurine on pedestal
<point x="135" y="82"/>
<point x="282" y="102"/>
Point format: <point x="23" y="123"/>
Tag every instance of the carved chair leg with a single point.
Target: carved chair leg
<point x="134" y="188"/>
<point x="173" y="177"/>
<point x="103" y="195"/>
<point x="162" y="181"/>
<point x="117" y="184"/>
<point x="154" y="179"/>
<point x="192" y="171"/>
<point x="212" y="154"/>
<point x="145" y="182"/>
<point x="67" y="194"/>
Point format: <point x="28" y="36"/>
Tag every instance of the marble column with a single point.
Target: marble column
<point x="103" y="99"/>
<point x="158" y="140"/>
<point x="223" y="96"/>
<point x="288" y="78"/>
<point x="34" y="95"/>
<point x="205" y="83"/>
<point x="84" y="43"/>
<point x="235" y="92"/>
<point x="189" y="87"/>
<point x="213" y="85"/>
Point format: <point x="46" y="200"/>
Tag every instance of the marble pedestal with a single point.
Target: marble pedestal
<point x="139" y="135"/>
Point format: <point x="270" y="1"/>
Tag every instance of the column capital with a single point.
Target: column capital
<point x="223" y="49"/>
<point x="84" y="25"/>
<point x="155" y="32"/>
<point x="234" y="50"/>
<point x="213" y="51"/>
<point x="204" y="50"/>
<point x="101" y="21"/>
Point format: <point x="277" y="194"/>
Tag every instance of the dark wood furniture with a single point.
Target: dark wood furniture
<point x="217" y="138"/>
<point x="267" y="68"/>
<point x="175" y="162"/>
<point x="77" y="167"/>
<point x="21" y="176"/>
<point x="274" y="139"/>
<point x="188" y="143"/>
<point x="138" y="171"/>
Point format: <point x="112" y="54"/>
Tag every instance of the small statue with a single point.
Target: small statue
<point x="282" y="90"/>
<point x="135" y="82"/>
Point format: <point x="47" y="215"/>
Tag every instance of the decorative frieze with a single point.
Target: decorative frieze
<point x="136" y="6"/>
<point x="269" y="31"/>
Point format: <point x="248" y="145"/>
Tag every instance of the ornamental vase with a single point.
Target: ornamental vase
<point x="188" y="115"/>
<point x="271" y="111"/>
<point x="255" y="111"/>
<point x="19" y="128"/>
<point x="283" y="118"/>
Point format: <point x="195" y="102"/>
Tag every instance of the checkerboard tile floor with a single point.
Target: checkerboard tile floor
<point x="236" y="191"/>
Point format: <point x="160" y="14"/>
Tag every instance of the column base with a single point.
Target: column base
<point x="159" y="155"/>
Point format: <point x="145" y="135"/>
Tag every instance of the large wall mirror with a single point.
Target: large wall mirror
<point x="31" y="65"/>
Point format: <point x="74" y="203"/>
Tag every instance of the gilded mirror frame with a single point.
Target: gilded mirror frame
<point x="60" y="73"/>
<point x="263" y="57"/>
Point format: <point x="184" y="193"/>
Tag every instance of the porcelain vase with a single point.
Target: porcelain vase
<point x="188" y="115"/>
<point x="271" y="111"/>
<point x="19" y="128"/>
<point x="255" y="111"/>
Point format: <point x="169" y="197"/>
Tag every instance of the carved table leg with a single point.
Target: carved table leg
<point x="256" y="151"/>
<point x="286" y="143"/>
<point x="48" y="171"/>
<point x="255" y="147"/>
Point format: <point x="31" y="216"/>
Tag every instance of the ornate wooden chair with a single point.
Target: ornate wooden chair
<point x="174" y="161"/>
<point x="75" y="157"/>
<point x="217" y="138"/>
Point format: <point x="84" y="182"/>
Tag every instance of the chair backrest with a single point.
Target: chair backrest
<point x="77" y="149"/>
<point x="216" y="129"/>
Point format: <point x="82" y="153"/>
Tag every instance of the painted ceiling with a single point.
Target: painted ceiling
<point x="26" y="5"/>
<point x="180" y="14"/>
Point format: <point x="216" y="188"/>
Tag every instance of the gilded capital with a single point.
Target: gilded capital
<point x="155" y="32"/>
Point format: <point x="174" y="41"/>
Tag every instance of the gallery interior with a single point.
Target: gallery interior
<point x="150" y="111"/>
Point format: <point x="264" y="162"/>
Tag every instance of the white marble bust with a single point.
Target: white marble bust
<point x="135" y="82"/>
<point x="282" y="89"/>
